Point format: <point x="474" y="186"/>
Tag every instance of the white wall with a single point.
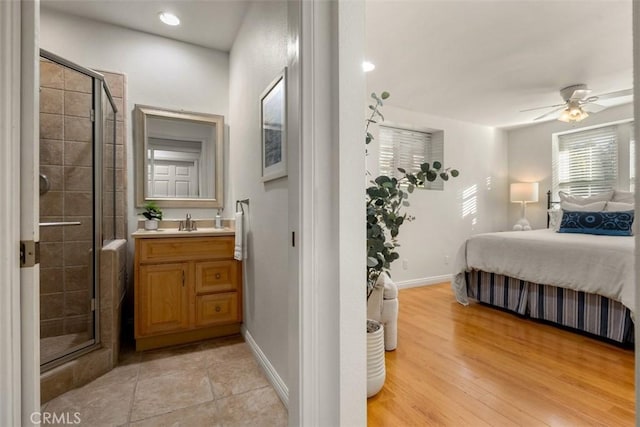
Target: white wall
<point x="475" y="202"/>
<point x="160" y="72"/>
<point x="530" y="157"/>
<point x="259" y="53"/>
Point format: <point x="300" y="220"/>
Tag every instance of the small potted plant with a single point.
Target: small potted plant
<point x="153" y="215"/>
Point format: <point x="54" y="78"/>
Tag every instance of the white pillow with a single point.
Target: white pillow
<point x="623" y="196"/>
<point x="619" y="207"/>
<point x="588" y="207"/>
<point x="555" y="218"/>
<point x="579" y="200"/>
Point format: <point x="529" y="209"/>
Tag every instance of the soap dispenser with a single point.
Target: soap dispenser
<point x="218" y="220"/>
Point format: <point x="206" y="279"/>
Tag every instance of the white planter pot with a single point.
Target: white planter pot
<point x="151" y="224"/>
<point x="376" y="371"/>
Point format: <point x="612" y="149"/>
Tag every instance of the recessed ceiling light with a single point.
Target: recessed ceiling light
<point x="169" y="18"/>
<point x="368" y="66"/>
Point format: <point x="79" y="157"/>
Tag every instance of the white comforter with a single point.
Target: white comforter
<point x="596" y="264"/>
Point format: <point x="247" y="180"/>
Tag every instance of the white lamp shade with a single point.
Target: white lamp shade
<point x="524" y="192"/>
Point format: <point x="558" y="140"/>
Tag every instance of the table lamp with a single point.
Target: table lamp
<point x="523" y="193"/>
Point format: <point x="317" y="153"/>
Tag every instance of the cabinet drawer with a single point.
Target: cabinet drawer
<point x="216" y="309"/>
<point x="186" y="249"/>
<point x="216" y="276"/>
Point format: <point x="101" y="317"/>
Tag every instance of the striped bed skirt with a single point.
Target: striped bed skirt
<point x="590" y="313"/>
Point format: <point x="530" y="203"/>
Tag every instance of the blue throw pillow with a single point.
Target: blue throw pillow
<point x="604" y="223"/>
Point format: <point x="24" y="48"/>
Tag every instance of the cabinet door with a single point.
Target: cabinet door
<point x="163" y="302"/>
<point x="216" y="276"/>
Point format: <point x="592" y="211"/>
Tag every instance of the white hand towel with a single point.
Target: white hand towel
<point x="238" y="251"/>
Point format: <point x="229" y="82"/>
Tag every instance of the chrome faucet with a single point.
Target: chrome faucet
<point x="188" y="224"/>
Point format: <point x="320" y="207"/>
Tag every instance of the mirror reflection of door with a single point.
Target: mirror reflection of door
<point x="174" y="168"/>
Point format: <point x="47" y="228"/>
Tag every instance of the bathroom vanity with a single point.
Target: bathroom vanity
<point x="187" y="286"/>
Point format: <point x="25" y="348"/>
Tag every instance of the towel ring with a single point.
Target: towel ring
<point x="240" y="203"/>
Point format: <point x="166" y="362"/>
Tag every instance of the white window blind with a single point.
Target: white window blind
<point x="632" y="160"/>
<point x="408" y="149"/>
<point x="586" y="162"/>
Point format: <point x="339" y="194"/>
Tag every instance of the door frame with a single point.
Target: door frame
<point x="327" y="334"/>
<point x="19" y="293"/>
<point x="29" y="207"/>
<point x="636" y="125"/>
<point x="10" y="352"/>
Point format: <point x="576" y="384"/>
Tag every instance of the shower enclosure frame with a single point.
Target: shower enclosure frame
<point x="98" y="84"/>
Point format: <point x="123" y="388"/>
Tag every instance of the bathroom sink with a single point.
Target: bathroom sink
<point x="174" y="232"/>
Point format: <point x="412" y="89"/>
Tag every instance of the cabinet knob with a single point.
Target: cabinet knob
<point x="218" y="309"/>
<point x="217" y="275"/>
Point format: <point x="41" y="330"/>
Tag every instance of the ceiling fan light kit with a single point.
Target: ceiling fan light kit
<point x="573" y="113"/>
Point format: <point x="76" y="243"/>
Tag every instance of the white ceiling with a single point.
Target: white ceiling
<point x="212" y="23"/>
<point x="479" y="61"/>
<point x="484" y="61"/>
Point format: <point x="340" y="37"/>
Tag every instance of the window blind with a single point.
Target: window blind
<point x="632" y="161"/>
<point x="408" y="149"/>
<point x="587" y="161"/>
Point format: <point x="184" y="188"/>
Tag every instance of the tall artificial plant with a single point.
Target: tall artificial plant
<point x="386" y="198"/>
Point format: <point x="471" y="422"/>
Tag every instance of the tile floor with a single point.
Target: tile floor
<point x="213" y="383"/>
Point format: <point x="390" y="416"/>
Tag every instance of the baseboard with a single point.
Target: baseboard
<point x="272" y="375"/>
<point x="425" y="281"/>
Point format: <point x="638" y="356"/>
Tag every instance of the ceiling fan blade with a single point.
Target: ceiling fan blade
<point x="616" y="94"/>
<point x="580" y="94"/>
<point x="540" y="108"/>
<point x="550" y="113"/>
<point x="592" y="107"/>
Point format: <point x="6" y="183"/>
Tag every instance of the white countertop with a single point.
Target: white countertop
<point x="173" y="232"/>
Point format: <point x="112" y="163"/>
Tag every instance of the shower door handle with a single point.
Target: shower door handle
<point x="59" y="224"/>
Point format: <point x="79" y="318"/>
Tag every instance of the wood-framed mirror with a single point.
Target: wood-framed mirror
<point x="179" y="158"/>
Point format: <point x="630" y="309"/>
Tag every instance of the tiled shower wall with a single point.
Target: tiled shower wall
<point x="65" y="157"/>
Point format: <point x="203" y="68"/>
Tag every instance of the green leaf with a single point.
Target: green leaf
<point x="385" y="95"/>
<point x="371" y="107"/>
<point x="410" y="189"/>
<point x="405" y="204"/>
<point x="402" y="170"/>
<point x="444" y="176"/>
<point x="431" y="176"/>
<point x="424" y="167"/>
<point x="437" y="165"/>
<point x="455" y="173"/>
<point x="382" y="179"/>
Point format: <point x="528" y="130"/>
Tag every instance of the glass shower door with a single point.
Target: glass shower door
<point x="67" y="211"/>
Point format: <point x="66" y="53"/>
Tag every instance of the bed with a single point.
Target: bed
<point x="579" y="281"/>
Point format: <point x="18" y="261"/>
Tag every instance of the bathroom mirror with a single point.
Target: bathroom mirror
<point x="179" y="158"/>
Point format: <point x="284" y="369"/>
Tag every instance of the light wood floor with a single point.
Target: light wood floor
<point x="476" y="366"/>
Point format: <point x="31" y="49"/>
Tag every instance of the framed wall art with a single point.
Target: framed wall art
<point x="273" y="112"/>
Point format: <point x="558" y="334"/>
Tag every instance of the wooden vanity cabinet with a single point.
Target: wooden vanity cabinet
<point x="186" y="289"/>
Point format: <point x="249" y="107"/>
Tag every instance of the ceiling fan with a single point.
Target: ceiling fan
<point x="578" y="104"/>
